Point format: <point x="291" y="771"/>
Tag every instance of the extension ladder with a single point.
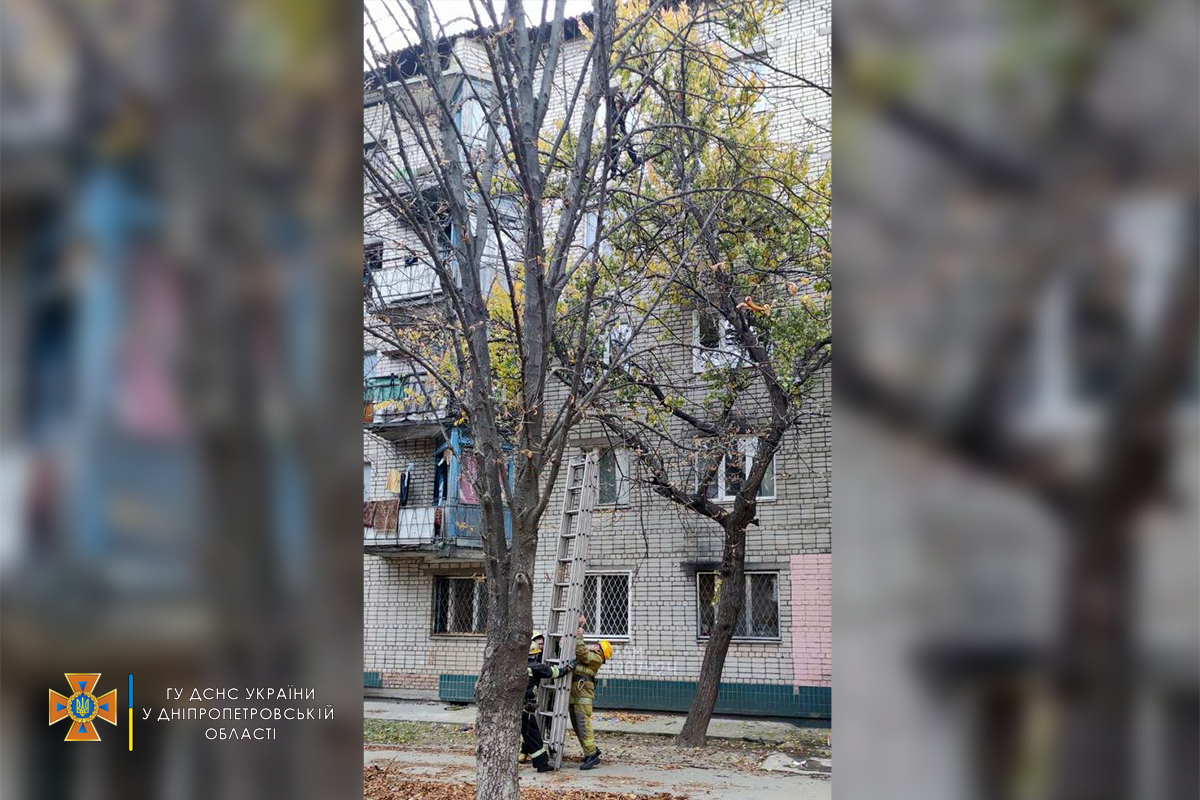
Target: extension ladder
<point x="571" y="554"/>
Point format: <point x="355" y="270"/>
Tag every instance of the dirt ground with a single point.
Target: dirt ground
<point x="409" y="760"/>
<point x="380" y="784"/>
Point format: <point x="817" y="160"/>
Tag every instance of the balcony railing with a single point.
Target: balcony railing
<point x="387" y="525"/>
<point x="392" y="284"/>
<point x="399" y="406"/>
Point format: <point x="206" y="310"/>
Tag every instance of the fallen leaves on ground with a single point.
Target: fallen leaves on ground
<point x="379" y="784"/>
<point x="653" y="751"/>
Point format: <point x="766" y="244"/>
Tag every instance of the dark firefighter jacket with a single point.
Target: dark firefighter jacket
<point x="538" y="672"/>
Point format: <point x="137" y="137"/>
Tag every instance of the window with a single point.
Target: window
<point x="760" y="612"/>
<point x="471" y="119"/>
<point x="614" y="477"/>
<point x="375" y="153"/>
<point x="732" y="471"/>
<point x="591" y="222"/>
<point x="459" y="605"/>
<point x="448" y="242"/>
<point x="372" y="261"/>
<point x="605" y="603"/>
<point x="618" y="336"/>
<point x="591" y="226"/>
<point x="712" y="341"/>
<point x="368" y="475"/>
<point x="756" y="71"/>
<point x="370" y="362"/>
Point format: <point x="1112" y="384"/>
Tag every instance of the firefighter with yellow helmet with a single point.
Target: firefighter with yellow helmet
<point x="588" y="661"/>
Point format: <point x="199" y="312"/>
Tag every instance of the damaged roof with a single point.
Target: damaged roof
<point x="408" y="63"/>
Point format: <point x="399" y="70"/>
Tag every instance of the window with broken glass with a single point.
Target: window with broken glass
<point x="760" y="612"/>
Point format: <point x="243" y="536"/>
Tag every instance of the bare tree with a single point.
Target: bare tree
<point x="493" y="174"/>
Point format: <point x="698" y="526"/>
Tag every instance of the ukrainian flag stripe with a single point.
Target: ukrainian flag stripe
<point x="131" y="712"/>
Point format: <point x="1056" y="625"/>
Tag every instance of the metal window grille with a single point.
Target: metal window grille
<point x="459" y="605"/>
<point x="762" y="605"/>
<point x="760" y="612"/>
<point x="605" y="603"/>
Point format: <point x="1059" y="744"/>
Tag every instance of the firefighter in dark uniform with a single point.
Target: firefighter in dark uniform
<point x="531" y="733"/>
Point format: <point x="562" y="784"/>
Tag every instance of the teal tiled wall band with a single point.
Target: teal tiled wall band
<point x="756" y="699"/>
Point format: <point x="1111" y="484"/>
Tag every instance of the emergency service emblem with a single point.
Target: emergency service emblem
<point x="83" y="708"/>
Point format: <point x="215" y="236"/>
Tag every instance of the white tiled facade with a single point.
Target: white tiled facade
<point x="658" y="545"/>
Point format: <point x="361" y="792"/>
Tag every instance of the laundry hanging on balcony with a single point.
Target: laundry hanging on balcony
<point x="394" y="480"/>
<point x="387" y="515"/>
<point x="405" y="484"/>
<point x="369" y="514"/>
<point x="393" y="395"/>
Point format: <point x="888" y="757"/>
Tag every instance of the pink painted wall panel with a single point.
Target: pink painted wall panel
<point x="812" y="619"/>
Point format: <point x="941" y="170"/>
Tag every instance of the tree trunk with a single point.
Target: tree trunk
<point x="502" y="678"/>
<point x="498" y="697"/>
<point x="1095" y="665"/>
<point x="1096" y="668"/>
<point x="729" y="611"/>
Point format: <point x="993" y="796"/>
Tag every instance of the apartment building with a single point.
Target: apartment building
<point x="650" y="587"/>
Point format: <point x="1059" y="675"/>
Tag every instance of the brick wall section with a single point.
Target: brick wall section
<point x="384" y="456"/>
<point x="798" y="43"/>
<point x="397" y="619"/>
<point x="812" y="619"/>
<point x="409" y="680"/>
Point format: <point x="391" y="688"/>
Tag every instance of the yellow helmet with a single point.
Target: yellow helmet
<point x="606" y="648"/>
<point x="535" y="643"/>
